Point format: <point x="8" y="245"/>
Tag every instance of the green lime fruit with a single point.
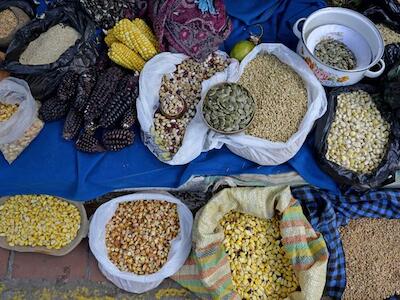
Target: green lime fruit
<point x="241" y="49"/>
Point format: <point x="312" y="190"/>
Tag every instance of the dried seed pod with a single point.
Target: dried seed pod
<point x="53" y="109"/>
<point x="72" y="124"/>
<point x="117" y="139"/>
<point x="126" y="95"/>
<point x="86" y="83"/>
<point x="102" y="92"/>
<point x="67" y="88"/>
<point x="88" y="143"/>
<point x="129" y="117"/>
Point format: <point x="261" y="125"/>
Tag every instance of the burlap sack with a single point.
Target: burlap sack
<point x="207" y="273"/>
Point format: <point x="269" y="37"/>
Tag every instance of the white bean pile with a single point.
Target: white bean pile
<point x="359" y="134"/>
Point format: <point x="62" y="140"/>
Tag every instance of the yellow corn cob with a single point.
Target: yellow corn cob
<point x="146" y="30"/>
<point x="110" y="38"/>
<point x="123" y="56"/>
<point x="130" y="35"/>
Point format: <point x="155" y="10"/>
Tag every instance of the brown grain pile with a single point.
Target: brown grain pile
<point x="372" y="251"/>
<point x="8" y="22"/>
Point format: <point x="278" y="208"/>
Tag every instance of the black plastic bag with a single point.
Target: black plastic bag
<point x="26" y="6"/>
<point x="43" y="79"/>
<point x="345" y="177"/>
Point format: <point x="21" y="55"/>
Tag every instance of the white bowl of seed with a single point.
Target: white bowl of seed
<point x="341" y="46"/>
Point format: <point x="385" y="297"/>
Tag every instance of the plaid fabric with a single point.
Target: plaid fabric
<point x="327" y="212"/>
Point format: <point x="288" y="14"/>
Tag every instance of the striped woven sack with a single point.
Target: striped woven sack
<point x="207" y="273"/>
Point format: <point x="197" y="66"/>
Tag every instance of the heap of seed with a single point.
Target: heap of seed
<point x="7" y="110"/>
<point x="389" y="36"/>
<point x="8" y="22"/>
<point x="50" y="45"/>
<point x="280" y="95"/>
<point x="371" y="248"/>
<point x="139" y="235"/>
<point x="184" y="84"/>
<point x="335" y="54"/>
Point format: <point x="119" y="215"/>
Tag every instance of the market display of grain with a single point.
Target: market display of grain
<point x="260" y="268"/>
<point x="184" y="83"/>
<point x="8" y="22"/>
<point x="389" y="36"/>
<point x="139" y="235"/>
<point x="39" y="221"/>
<point x="50" y="45"/>
<point x="7" y="110"/>
<point x="336" y="54"/>
<point x="372" y="258"/>
<point x="280" y="95"/>
<point x="358" y="137"/>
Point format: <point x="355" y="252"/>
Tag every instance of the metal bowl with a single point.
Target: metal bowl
<point x="230" y="132"/>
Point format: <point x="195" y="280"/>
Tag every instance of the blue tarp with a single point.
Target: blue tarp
<point x="51" y="165"/>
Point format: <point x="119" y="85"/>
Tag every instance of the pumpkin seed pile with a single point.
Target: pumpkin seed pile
<point x="359" y="134"/>
<point x="228" y="107"/>
<point x="280" y="96"/>
<point x="389" y="36"/>
<point x="335" y="54"/>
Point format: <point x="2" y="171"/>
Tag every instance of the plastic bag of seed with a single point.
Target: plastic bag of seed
<point x="19" y="122"/>
<point x="44" y="50"/>
<point x="254" y="243"/>
<point x="357" y="140"/>
<point x="134" y="258"/>
<point x="289" y="99"/>
<point x="167" y="107"/>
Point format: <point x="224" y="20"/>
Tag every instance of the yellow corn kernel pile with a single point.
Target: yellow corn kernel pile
<point x="135" y="35"/>
<point x="38" y="220"/>
<point x="259" y="266"/>
<point x="7" y="110"/>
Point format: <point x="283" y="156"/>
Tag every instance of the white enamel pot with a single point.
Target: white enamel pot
<point x="355" y="30"/>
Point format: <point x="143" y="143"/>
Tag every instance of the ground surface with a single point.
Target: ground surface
<point x="73" y="276"/>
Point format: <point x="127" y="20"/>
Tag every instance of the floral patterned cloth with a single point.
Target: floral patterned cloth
<point x="181" y="27"/>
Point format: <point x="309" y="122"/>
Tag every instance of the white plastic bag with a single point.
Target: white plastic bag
<point x="259" y="150"/>
<point x="148" y="102"/>
<point x="180" y="246"/>
<point x="24" y="125"/>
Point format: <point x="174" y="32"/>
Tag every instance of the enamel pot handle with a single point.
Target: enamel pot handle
<point x="374" y="74"/>
<point x="296" y="29"/>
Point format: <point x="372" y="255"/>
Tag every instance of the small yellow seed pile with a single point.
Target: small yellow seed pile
<point x="260" y="268"/>
<point x="39" y="220"/>
<point x="7" y="110"/>
<point x="139" y="235"/>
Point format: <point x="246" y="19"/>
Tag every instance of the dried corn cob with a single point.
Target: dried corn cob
<point x="117" y="139"/>
<point x="67" y="87"/>
<point x="129" y="117"/>
<point x="125" y="97"/>
<point x="85" y="86"/>
<point x="72" y="124"/>
<point x="110" y="38"/>
<point x="130" y="35"/>
<point x="146" y="30"/>
<point x="125" y="57"/>
<point x="88" y="143"/>
<point x="53" y="109"/>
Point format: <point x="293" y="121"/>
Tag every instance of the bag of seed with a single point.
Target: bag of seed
<point x="19" y="122"/>
<point x="43" y="51"/>
<point x="254" y="243"/>
<point x="357" y="140"/>
<point x="167" y="107"/>
<point x="141" y="239"/>
<point x="288" y="96"/>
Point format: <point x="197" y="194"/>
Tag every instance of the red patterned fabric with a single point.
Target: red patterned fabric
<point x="181" y="27"/>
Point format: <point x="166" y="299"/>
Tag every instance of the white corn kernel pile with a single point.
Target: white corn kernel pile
<point x="359" y="134"/>
<point x="39" y="220"/>
<point x="259" y="265"/>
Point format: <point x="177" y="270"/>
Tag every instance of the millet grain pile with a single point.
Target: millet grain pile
<point x="8" y="22"/>
<point x="50" y="45"/>
<point x="371" y="248"/>
<point x="280" y="95"/>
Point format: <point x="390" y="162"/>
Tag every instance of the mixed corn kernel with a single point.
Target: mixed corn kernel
<point x="259" y="266"/>
<point x="7" y="110"/>
<point x="38" y="221"/>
